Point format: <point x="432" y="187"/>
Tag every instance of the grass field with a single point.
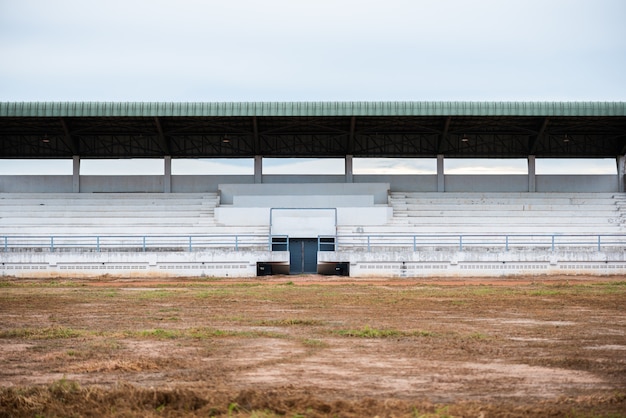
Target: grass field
<point x="299" y="347"/>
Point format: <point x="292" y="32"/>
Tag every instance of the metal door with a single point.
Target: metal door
<point x="302" y="255"/>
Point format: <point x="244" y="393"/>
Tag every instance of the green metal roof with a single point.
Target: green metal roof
<point x="183" y="109"/>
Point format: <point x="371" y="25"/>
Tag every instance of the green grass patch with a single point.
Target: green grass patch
<point x="314" y="343"/>
<point x="47" y="333"/>
<point x="369" y="332"/>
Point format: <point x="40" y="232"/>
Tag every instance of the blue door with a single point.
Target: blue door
<point x="302" y="255"/>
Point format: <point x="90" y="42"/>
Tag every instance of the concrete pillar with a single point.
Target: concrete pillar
<point x="349" y="171"/>
<point x="440" y="176"/>
<point x="167" y="178"/>
<point x="532" y="179"/>
<point x="258" y="169"/>
<point x="76" y="174"/>
<point x="621" y="170"/>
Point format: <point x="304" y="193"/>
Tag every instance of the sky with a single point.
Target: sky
<point x="322" y="50"/>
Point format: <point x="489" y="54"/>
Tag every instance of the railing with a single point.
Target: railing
<point x="103" y="243"/>
<point x="358" y="242"/>
<point x="467" y="241"/>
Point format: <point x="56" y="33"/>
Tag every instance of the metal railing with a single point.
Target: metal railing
<point x="358" y="242"/>
<point x="463" y="242"/>
<point x="104" y="243"/>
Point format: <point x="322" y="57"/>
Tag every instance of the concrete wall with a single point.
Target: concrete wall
<point x="572" y="183"/>
<point x="487" y="183"/>
<point x="380" y="191"/>
<point x="400" y="183"/>
<point x="479" y="263"/>
<point x="36" y="184"/>
<point x="137" y="264"/>
<point x="431" y="264"/>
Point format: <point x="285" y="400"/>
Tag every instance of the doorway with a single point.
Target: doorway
<point x="302" y="256"/>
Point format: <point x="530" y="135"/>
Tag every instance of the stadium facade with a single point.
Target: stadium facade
<point x="361" y="225"/>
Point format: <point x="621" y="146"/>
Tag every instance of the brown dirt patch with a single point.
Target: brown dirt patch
<point x="312" y="346"/>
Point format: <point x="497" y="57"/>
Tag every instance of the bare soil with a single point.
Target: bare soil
<point x="312" y="346"/>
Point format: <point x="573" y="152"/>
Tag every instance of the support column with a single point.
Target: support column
<point x="532" y="179"/>
<point x="349" y="172"/>
<point x="76" y="174"/>
<point x="440" y="176"/>
<point x="167" y="178"/>
<point x="621" y="171"/>
<point x="258" y="169"/>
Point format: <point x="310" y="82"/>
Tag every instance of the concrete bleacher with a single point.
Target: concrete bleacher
<point x="105" y="213"/>
<point x="450" y="213"/>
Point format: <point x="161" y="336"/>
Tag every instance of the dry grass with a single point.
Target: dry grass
<point x="261" y="349"/>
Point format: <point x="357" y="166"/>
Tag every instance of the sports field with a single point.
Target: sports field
<point x="307" y="346"/>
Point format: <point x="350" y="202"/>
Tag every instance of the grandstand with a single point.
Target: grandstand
<point x="351" y="224"/>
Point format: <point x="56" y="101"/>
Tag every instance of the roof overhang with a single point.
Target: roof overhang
<point x="312" y="129"/>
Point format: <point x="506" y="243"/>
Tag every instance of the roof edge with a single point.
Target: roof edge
<point x="344" y="108"/>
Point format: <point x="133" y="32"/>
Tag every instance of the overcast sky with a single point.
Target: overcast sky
<point x="296" y="50"/>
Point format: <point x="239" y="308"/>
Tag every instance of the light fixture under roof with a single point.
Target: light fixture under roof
<point x="226" y="139"/>
<point x="566" y="139"/>
<point x="45" y="139"/>
<point x="464" y="138"/>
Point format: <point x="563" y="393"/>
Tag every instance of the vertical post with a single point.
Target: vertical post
<point x="621" y="171"/>
<point x="98" y="244"/>
<point x="190" y="247"/>
<point x="599" y="243"/>
<point x="507" y="242"/>
<point x="258" y="169"/>
<point x="460" y="242"/>
<point x="6" y="244"/>
<point x="440" y="176"/>
<point x="76" y="174"/>
<point x="167" y="178"/>
<point x="51" y="244"/>
<point x="553" y="243"/>
<point x="144" y="243"/>
<point x="532" y="179"/>
<point x="349" y="169"/>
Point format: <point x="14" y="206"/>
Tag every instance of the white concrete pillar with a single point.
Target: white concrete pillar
<point x="167" y="178"/>
<point x="532" y="178"/>
<point x="349" y="170"/>
<point x="258" y="169"/>
<point x="76" y="174"/>
<point x="621" y="171"/>
<point x="440" y="176"/>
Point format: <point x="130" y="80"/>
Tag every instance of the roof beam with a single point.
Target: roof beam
<point x="443" y="135"/>
<point x="350" y="147"/>
<point x="74" y="143"/>
<point x="533" y="145"/>
<point x="163" y="140"/>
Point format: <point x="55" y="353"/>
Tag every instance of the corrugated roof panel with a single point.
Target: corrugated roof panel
<point x="147" y="109"/>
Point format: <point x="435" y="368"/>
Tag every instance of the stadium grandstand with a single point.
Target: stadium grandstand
<point x="361" y="225"/>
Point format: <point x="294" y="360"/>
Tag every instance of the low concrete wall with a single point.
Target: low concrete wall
<point x="571" y="183"/>
<point x="137" y="264"/>
<point x="36" y="184"/>
<point x="441" y="263"/>
<point x="479" y="263"/>
<point x="398" y="183"/>
<point x="380" y="191"/>
<point x="346" y="216"/>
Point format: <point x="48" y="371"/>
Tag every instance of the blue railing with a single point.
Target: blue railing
<point x="358" y="242"/>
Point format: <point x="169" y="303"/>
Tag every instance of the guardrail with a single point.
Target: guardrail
<point x="102" y="243"/>
<point x="363" y="242"/>
<point x="466" y="241"/>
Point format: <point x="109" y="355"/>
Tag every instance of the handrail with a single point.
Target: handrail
<point x="369" y="242"/>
